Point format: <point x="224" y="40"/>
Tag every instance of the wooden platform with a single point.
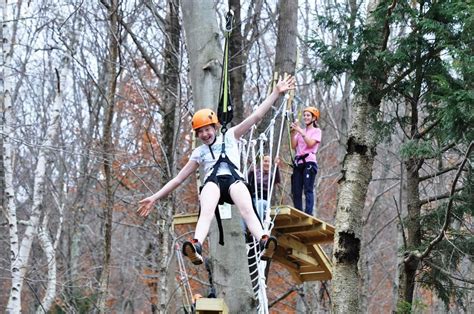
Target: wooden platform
<point x="208" y="306"/>
<point x="299" y="238"/>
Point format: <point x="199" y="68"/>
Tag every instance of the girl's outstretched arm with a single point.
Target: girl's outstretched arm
<point x="147" y="204"/>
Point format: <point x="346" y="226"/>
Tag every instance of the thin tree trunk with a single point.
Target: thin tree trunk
<point x="410" y="266"/>
<point x="20" y="262"/>
<point x="108" y="152"/>
<point x="49" y="247"/>
<point x="170" y="129"/>
<point x="8" y="194"/>
<point x="236" y="63"/>
<point x="20" y="251"/>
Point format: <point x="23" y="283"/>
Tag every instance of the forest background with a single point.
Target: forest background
<point x="96" y="105"/>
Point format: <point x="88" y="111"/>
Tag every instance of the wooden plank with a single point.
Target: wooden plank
<point x="291" y="242"/>
<point x="303" y="257"/>
<point x="207" y="305"/>
<point x="294" y="222"/>
<point x="292" y="268"/>
<point x="311" y="269"/>
<point x="301" y="229"/>
<point x="287" y="263"/>
<point x="293" y="212"/>
<point x="185" y="219"/>
<point x="318" y="238"/>
<point x="322" y="258"/>
<point x="316" y="276"/>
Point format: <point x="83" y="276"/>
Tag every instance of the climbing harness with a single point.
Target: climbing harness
<point x="224" y="114"/>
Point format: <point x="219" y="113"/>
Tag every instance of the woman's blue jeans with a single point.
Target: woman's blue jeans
<point x="302" y="180"/>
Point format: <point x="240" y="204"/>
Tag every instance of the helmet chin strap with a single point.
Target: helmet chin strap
<point x="215" y="139"/>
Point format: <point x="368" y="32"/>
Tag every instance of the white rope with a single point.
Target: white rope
<point x="253" y="250"/>
<point x="183" y="276"/>
<point x="273" y="174"/>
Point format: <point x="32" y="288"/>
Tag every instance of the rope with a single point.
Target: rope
<point x="183" y="277"/>
<point x="256" y="265"/>
<point x="225" y="111"/>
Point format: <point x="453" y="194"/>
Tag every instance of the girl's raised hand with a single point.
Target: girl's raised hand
<point x="288" y="83"/>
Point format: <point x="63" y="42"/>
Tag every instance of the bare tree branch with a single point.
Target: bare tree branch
<point x="439" y="197"/>
<point x="282" y="297"/>
<point x="437" y="174"/>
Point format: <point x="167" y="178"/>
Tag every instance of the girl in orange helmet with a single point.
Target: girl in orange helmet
<point x="306" y="142"/>
<point x="220" y="184"/>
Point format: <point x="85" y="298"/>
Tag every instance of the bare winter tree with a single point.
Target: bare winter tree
<point x="37" y="223"/>
<point x="108" y="150"/>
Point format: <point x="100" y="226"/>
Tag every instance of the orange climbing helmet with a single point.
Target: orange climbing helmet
<point x="203" y="117"/>
<point x="313" y="110"/>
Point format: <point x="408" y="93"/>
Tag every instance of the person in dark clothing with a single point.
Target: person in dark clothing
<point x="259" y="185"/>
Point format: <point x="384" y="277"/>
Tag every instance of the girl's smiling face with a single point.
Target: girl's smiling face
<point x="207" y="134"/>
<point x="307" y="117"/>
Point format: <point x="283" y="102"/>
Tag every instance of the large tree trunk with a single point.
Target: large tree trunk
<point x="205" y="55"/>
<point x="285" y="52"/>
<point x="204" y="50"/>
<point x="356" y="176"/>
<point x="108" y="151"/>
<point x="285" y="63"/>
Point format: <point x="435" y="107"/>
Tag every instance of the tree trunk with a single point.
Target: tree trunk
<point x="20" y="261"/>
<point x="237" y="73"/>
<point x="410" y="266"/>
<point x="170" y="131"/>
<point x="357" y="174"/>
<point x="285" y="51"/>
<point x="49" y="245"/>
<point x="8" y="194"/>
<point x="20" y="251"/>
<point x="204" y="50"/>
<point x="205" y="55"/>
<point x="108" y="151"/>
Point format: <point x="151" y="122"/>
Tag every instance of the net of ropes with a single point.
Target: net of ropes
<point x="253" y="148"/>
